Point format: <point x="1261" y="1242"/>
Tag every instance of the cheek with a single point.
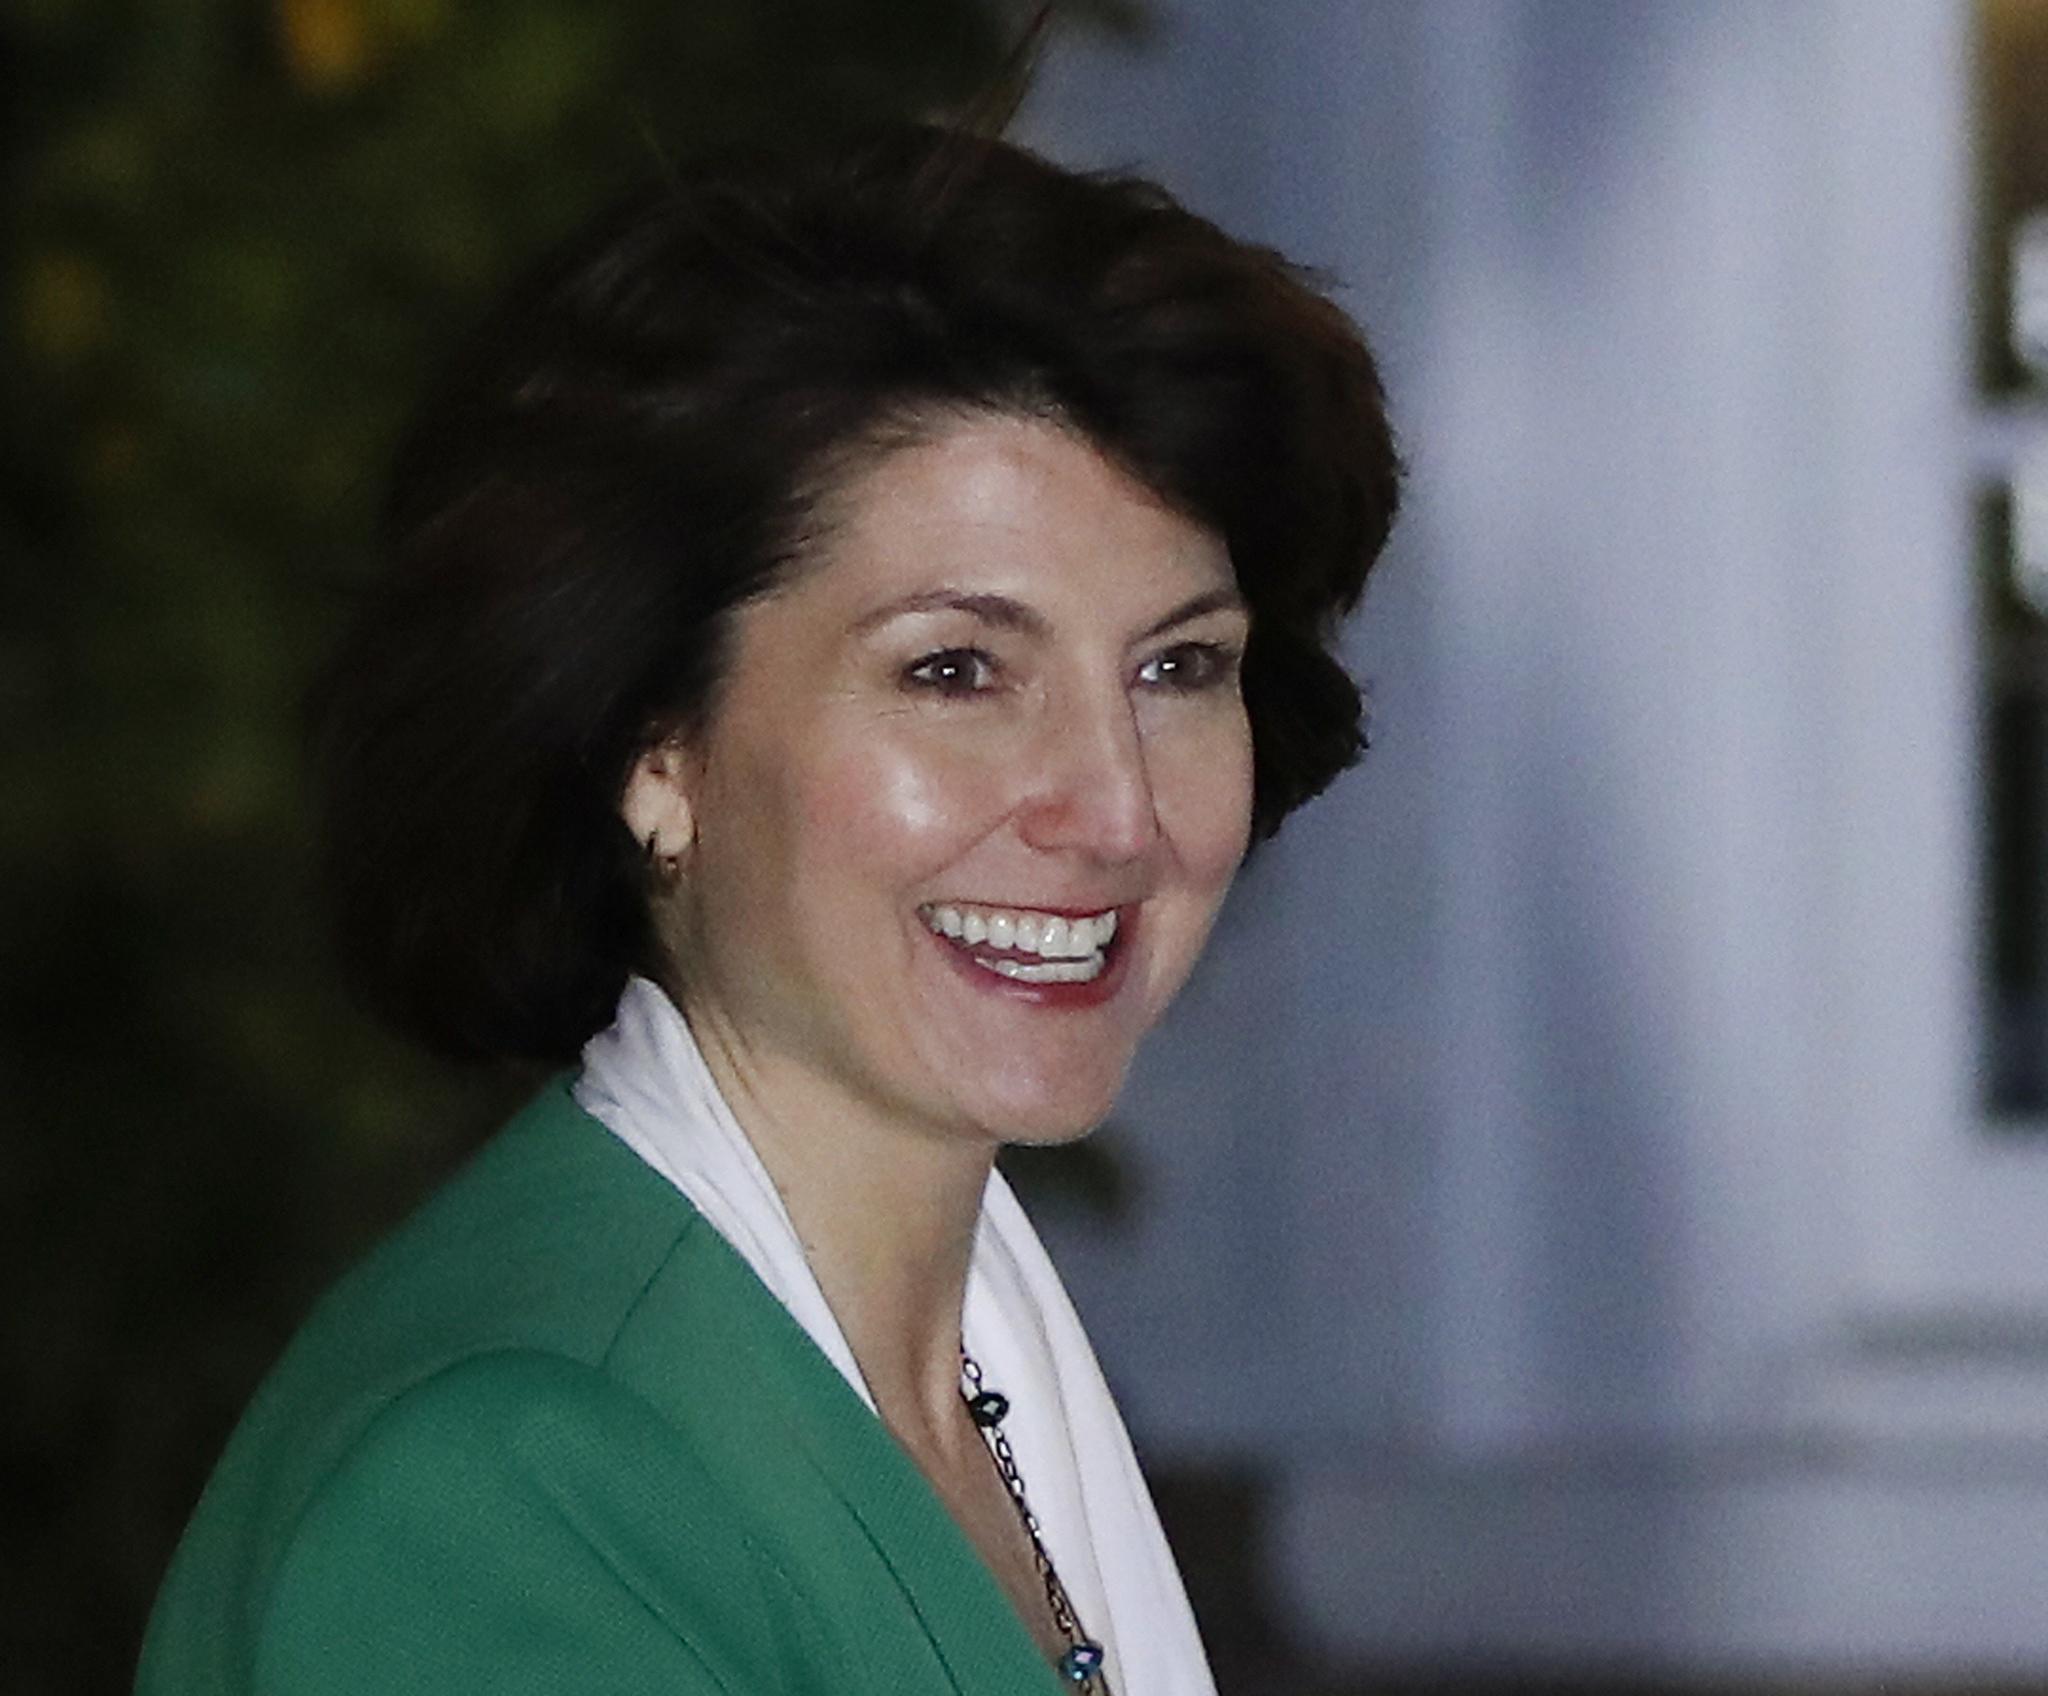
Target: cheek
<point x="899" y="804"/>
<point x="1203" y="790"/>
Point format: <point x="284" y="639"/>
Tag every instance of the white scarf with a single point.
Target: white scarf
<point x="645" y="1080"/>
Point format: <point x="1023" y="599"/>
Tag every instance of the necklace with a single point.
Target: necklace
<point x="1081" y="1664"/>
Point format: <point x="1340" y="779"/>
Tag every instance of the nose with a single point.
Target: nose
<point x="1090" y="791"/>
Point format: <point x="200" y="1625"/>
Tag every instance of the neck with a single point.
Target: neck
<point x="886" y="1213"/>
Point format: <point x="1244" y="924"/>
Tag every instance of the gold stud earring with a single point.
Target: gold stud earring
<point x="667" y="868"/>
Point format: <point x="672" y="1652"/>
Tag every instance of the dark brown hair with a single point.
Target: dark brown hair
<point x="627" y="453"/>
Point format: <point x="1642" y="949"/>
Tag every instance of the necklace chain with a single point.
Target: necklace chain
<point x="1082" y="1663"/>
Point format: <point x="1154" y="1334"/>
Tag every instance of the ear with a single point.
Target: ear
<point x="658" y="804"/>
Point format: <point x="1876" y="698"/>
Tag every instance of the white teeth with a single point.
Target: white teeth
<point x="1050" y="971"/>
<point x="1050" y="936"/>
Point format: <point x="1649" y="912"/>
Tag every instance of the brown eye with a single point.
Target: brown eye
<point x="952" y="671"/>
<point x="1190" y="666"/>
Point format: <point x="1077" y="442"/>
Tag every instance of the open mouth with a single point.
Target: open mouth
<point x="1024" y="944"/>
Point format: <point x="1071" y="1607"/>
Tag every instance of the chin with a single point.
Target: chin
<point x="1038" y="1092"/>
<point x="1053" y="1133"/>
<point x="1049" y="1119"/>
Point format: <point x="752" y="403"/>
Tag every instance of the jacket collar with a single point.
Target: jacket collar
<point x="717" y="1355"/>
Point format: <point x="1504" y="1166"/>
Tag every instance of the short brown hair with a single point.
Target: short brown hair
<point x="627" y="453"/>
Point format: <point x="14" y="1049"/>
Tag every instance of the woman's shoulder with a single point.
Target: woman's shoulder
<point x="555" y="1432"/>
<point x="510" y="1521"/>
<point x="485" y="1324"/>
<point x="544" y="1242"/>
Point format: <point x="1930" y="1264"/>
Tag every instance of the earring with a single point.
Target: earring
<point x="667" y="868"/>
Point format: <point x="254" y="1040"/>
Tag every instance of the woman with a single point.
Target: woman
<point x="848" y="620"/>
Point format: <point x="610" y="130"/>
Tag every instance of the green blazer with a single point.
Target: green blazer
<point x="556" y="1436"/>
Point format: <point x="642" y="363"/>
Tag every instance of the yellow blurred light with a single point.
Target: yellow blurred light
<point x="326" y="43"/>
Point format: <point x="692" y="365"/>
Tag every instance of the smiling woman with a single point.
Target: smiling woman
<point x="847" y="621"/>
<point x="1005" y="688"/>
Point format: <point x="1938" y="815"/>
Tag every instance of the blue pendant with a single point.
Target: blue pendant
<point x="1082" y="1662"/>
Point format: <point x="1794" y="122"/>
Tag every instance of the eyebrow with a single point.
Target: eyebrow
<point x="1008" y="614"/>
<point x="999" y="610"/>
<point x="1196" y="606"/>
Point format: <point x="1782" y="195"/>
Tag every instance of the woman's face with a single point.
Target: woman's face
<point x="976" y="782"/>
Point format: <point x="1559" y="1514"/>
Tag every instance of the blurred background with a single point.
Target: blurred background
<point x="1586" y="1227"/>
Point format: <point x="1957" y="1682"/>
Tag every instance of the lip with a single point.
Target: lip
<point x="1070" y="997"/>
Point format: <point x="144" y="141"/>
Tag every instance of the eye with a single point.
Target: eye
<point x="953" y="671"/>
<point x="1189" y="667"/>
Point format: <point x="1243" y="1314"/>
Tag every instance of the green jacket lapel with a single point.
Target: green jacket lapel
<point x="709" y="1347"/>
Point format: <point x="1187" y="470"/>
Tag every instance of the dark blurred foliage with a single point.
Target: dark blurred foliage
<point x="236" y="237"/>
